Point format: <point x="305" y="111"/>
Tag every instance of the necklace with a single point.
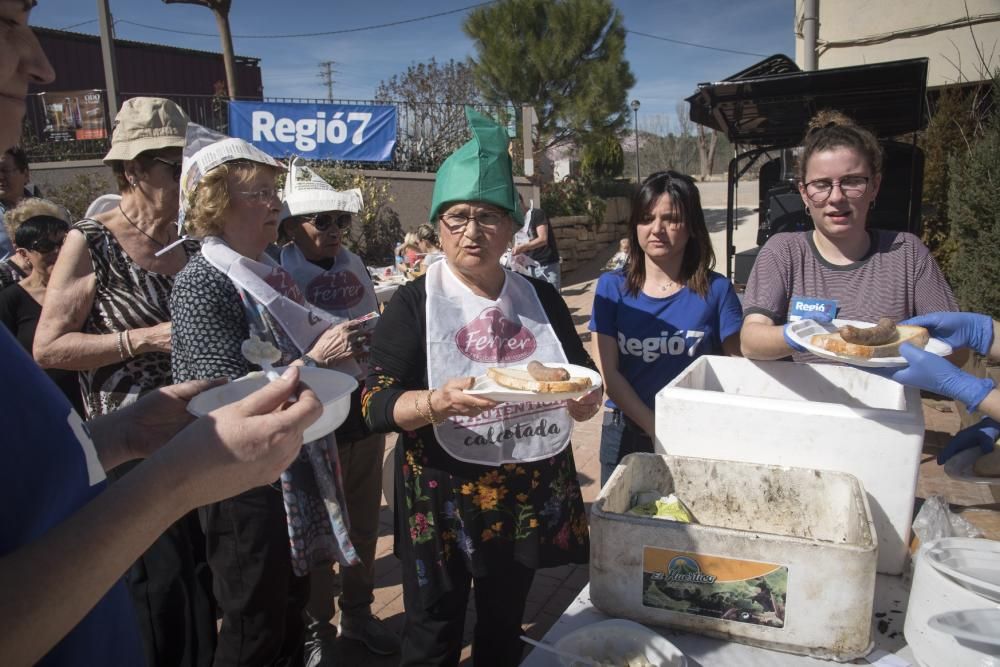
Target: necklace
<point x="139" y="229"/>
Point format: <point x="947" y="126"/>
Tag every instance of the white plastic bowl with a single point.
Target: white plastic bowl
<point x="616" y="640"/>
<point x="333" y="389"/>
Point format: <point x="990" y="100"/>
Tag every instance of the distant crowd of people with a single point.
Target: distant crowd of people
<point x="226" y="540"/>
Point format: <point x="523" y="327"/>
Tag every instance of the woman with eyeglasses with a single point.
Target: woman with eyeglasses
<point x="659" y="313"/>
<point x="107" y="316"/>
<point x="38" y="229"/>
<point x="841" y="269"/>
<point x="486" y="493"/>
<point x="331" y="277"/>
<point x="262" y="544"/>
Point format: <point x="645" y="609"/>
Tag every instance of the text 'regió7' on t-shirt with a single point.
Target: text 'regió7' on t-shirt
<point x="660" y="337"/>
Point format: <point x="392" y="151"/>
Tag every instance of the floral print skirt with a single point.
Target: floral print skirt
<point x="459" y="516"/>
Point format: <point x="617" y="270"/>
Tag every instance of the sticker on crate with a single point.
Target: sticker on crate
<point x="745" y="591"/>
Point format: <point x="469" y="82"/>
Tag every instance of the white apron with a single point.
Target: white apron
<point x="344" y="292"/>
<point x="466" y="334"/>
<point x="268" y="284"/>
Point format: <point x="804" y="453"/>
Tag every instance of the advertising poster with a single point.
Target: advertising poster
<point x="744" y="591"/>
<point x="74" y="115"/>
<point x="348" y="132"/>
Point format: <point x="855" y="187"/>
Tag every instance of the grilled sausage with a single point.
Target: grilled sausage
<point x="880" y="334"/>
<point x="543" y="373"/>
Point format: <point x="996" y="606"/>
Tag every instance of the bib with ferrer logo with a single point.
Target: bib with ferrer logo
<point x="466" y="334"/>
<point x="344" y="292"/>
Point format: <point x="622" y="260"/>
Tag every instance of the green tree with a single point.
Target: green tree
<point x="433" y="124"/>
<point x="566" y="58"/>
<point x="975" y="219"/>
<point x="603" y="157"/>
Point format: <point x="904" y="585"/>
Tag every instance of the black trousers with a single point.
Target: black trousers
<point x="261" y="600"/>
<point x="433" y="635"/>
<point x="171" y="588"/>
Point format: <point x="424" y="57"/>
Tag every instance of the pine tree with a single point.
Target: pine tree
<point x="566" y="58"/>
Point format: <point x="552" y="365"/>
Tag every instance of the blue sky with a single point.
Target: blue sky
<point x="665" y="72"/>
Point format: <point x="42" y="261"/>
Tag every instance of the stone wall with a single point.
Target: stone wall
<point x="580" y="241"/>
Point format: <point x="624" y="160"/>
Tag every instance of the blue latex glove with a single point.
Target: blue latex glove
<point x="791" y="341"/>
<point x="933" y="373"/>
<point x="983" y="435"/>
<point x="958" y="329"/>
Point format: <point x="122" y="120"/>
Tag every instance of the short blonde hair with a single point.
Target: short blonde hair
<point x="206" y="206"/>
<point x="33" y="207"/>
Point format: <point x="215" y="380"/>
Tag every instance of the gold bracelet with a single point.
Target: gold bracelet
<point x="416" y="406"/>
<point x="128" y="345"/>
<point x="435" y="419"/>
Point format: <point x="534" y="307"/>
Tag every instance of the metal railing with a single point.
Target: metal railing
<point x="425" y="133"/>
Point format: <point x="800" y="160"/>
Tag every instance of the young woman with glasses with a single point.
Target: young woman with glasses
<point x="841" y="269"/>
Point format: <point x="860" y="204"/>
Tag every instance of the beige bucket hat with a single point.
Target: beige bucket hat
<point x="146" y="124"/>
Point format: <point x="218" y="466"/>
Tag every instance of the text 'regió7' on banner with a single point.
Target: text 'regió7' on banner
<point x="353" y="133"/>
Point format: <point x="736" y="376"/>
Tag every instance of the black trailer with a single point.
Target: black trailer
<point x="764" y="111"/>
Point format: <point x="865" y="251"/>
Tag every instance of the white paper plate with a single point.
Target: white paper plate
<point x="333" y="389"/>
<point x="960" y="465"/>
<point x="487" y="388"/>
<point x="613" y="641"/>
<point x="972" y="562"/>
<point x="981" y="626"/>
<point x="803" y="330"/>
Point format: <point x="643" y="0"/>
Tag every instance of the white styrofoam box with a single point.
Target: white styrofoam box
<point x="782" y="558"/>
<point x="816" y="416"/>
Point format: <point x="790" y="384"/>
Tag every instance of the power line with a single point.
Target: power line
<point x="700" y="46"/>
<point x="314" y="34"/>
<point x="77" y="25"/>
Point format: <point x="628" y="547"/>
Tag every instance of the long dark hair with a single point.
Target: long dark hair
<point x="699" y="258"/>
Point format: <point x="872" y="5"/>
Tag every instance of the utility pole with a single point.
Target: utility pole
<point x="108" y="55"/>
<point x="326" y="73"/>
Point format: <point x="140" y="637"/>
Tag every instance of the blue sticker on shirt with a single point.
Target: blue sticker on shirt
<point x="809" y="308"/>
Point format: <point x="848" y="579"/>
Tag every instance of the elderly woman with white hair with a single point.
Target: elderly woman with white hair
<point x="262" y="543"/>
<point x="316" y="218"/>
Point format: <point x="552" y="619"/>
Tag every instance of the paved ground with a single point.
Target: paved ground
<point x="555" y="588"/>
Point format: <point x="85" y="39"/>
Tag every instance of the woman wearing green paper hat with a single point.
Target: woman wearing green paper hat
<point x="486" y="492"/>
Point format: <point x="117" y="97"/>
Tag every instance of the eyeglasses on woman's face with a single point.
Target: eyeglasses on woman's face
<point x="262" y="196"/>
<point x="853" y="187"/>
<point x="322" y="221"/>
<point x="486" y="220"/>
<point x="174" y="166"/>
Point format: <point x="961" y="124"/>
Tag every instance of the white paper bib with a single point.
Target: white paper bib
<point x="466" y="334"/>
<point x="272" y="287"/>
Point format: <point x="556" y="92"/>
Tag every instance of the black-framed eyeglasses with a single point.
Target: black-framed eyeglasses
<point x="322" y="221"/>
<point x="820" y="190"/>
<point x="45" y="246"/>
<point x="174" y="166"/>
<point x="457" y="222"/>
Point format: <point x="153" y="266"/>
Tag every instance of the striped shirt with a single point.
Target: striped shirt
<point x="897" y="278"/>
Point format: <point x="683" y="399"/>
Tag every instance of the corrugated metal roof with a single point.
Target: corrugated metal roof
<point x="66" y="34"/>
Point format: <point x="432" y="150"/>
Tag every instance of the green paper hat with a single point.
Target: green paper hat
<point x="479" y="171"/>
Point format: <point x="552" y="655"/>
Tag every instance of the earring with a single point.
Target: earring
<point x="871" y="207"/>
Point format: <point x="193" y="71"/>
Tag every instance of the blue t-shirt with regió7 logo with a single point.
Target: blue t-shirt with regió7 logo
<point x="659" y="337"/>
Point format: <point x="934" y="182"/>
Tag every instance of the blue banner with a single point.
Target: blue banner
<point x="316" y="131"/>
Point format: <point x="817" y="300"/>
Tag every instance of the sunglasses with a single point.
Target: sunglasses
<point x="45" y="246"/>
<point x="323" y="221"/>
<point x="175" y="166"/>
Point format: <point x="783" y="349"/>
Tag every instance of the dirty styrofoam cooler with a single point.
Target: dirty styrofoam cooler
<point x="782" y="558"/>
<point x="809" y="416"/>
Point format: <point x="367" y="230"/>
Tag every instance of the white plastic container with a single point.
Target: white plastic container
<point x="782" y="558"/>
<point x="816" y="416"/>
<point x="934" y="592"/>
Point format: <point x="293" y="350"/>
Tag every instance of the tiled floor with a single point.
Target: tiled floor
<point x="555" y="588"/>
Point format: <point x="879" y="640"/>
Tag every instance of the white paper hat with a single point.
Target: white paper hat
<point x="306" y="193"/>
<point x="205" y="150"/>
